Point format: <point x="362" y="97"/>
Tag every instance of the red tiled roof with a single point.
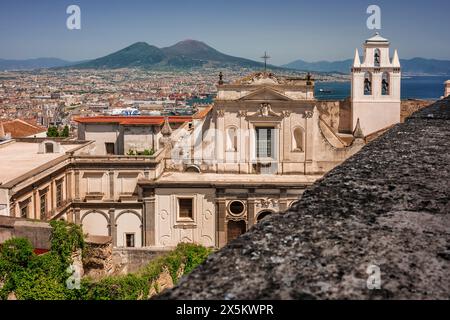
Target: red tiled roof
<point x="155" y="120"/>
<point x="202" y="113"/>
<point x="21" y="129"/>
<point x="142" y="120"/>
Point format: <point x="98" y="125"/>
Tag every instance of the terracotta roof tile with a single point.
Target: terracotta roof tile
<point x="143" y="120"/>
<point x="21" y="129"/>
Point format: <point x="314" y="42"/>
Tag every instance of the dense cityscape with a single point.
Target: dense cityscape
<point x="138" y="166"/>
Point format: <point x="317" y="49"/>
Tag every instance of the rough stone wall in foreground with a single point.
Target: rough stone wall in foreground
<point x="388" y="205"/>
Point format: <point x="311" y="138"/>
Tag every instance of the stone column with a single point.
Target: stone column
<point x="52" y="197"/>
<point x="221" y="221"/>
<point x="77" y="216"/>
<point x="111" y="185"/>
<point x="77" y="185"/>
<point x="69" y="186"/>
<point x="282" y="202"/>
<point x="70" y="215"/>
<point x="35" y="205"/>
<point x="149" y="218"/>
<point x="251" y="208"/>
<point x="12" y="209"/>
<point x="220" y="136"/>
<point x="112" y="226"/>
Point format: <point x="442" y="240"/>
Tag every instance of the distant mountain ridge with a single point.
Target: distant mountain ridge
<point x="192" y="53"/>
<point x="410" y="66"/>
<point x="184" y="54"/>
<point x="30" y="64"/>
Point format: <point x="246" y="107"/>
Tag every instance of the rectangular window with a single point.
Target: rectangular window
<point x="109" y="148"/>
<point x="186" y="208"/>
<point x="129" y="240"/>
<point x="24" y="211"/>
<point x="43" y="206"/>
<point x="264" y="143"/>
<point x="59" y="195"/>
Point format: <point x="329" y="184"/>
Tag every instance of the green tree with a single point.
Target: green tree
<point x="65" y="132"/>
<point x="52" y="132"/>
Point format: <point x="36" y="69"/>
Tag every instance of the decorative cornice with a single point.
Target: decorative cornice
<point x="242" y="113"/>
<point x="266" y="203"/>
<point x="286" y="113"/>
<point x="308" y="114"/>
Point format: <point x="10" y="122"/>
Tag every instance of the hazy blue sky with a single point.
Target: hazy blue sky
<point x="310" y="30"/>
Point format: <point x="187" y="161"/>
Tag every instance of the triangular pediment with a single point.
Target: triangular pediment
<point x="265" y="94"/>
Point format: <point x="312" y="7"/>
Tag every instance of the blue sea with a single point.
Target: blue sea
<point x="418" y="87"/>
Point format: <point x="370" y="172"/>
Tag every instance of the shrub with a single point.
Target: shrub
<point x="15" y="254"/>
<point x="149" y="152"/>
<point x="41" y="277"/>
<point x="137" y="286"/>
<point x="65" y="132"/>
<point x="127" y="287"/>
<point x="52" y="132"/>
<point x="44" y="277"/>
<point x="37" y="285"/>
<point x="65" y="239"/>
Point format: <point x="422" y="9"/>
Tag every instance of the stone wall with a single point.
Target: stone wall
<point x="128" y="260"/>
<point x="408" y="107"/>
<point x="97" y="257"/>
<point x="386" y="207"/>
<point x="37" y="232"/>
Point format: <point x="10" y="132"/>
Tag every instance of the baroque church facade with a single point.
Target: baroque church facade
<point x="215" y="174"/>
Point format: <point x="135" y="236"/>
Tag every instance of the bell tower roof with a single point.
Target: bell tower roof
<point x="356" y="60"/>
<point x="377" y="39"/>
<point x="396" y="60"/>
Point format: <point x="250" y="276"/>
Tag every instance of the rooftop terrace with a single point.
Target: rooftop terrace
<point x="18" y="158"/>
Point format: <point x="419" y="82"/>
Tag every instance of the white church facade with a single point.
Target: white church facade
<point x="211" y="176"/>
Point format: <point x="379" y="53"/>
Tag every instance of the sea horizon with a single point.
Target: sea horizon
<point x="427" y="87"/>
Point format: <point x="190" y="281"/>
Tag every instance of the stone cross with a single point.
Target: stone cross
<point x="265" y="57"/>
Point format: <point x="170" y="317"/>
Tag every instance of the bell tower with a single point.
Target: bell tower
<point x="375" y="89"/>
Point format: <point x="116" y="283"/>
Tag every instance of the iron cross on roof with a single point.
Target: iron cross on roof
<point x="265" y="57"/>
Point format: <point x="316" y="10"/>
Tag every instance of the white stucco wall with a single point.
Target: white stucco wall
<point x="129" y="222"/>
<point x="101" y="134"/>
<point x="170" y="230"/>
<point x="94" y="223"/>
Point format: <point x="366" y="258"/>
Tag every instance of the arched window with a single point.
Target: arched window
<point x="377" y="58"/>
<point x="368" y="84"/>
<point x="297" y="140"/>
<point x="231" y="143"/>
<point x="385" y="84"/>
<point x="263" y="214"/>
<point x="193" y="168"/>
